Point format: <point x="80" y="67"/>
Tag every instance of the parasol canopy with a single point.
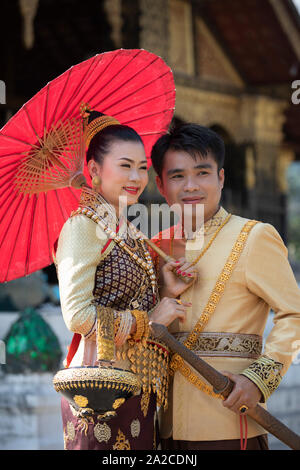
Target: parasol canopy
<point x="134" y="86"/>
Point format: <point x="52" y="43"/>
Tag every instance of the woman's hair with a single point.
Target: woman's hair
<point x="100" y="143"/>
<point x="191" y="138"/>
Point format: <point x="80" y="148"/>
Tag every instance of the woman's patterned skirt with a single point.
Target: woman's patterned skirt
<point x="134" y="428"/>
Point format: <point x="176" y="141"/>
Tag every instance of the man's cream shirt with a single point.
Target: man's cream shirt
<point x="262" y="279"/>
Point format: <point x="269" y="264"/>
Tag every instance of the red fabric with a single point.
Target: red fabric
<point x="73" y="348"/>
<point x="134" y="86"/>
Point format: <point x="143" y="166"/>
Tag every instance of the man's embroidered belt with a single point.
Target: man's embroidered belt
<point x="225" y="344"/>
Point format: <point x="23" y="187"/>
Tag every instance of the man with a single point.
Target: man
<point x="242" y="272"/>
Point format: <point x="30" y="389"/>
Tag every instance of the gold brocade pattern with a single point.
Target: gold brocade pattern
<point x="225" y="344"/>
<point x="145" y="403"/>
<point x="177" y="362"/>
<point x="122" y="283"/>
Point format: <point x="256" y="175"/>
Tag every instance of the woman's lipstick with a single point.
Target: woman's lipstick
<point x="131" y="189"/>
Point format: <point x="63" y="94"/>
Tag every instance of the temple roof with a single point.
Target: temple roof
<point x="262" y="40"/>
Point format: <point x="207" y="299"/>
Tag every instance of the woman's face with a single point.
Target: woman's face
<point x="123" y="172"/>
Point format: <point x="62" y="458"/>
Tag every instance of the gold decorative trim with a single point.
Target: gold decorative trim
<point x="151" y="363"/>
<point x="145" y="403"/>
<point x="177" y="363"/>
<point x="118" y="402"/>
<point x="95" y="377"/>
<point x="225" y="344"/>
<point x="265" y="373"/>
<point x="121" y="442"/>
<point x="105" y="334"/>
<point x="219" y="288"/>
<point x="80" y="401"/>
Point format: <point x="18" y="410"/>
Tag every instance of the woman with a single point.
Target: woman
<point x="101" y="276"/>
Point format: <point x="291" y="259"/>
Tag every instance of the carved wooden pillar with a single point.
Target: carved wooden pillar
<point x="113" y="9"/>
<point x="28" y="10"/>
<point x="286" y="157"/>
<point x="262" y="119"/>
<point x="154" y="31"/>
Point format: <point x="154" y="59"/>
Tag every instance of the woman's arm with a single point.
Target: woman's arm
<point x="78" y="255"/>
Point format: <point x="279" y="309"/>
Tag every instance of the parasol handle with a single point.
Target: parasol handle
<point x="166" y="259"/>
<point x="224" y="385"/>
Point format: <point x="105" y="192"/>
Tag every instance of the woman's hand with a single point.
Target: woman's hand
<point x="172" y="275"/>
<point x="168" y="310"/>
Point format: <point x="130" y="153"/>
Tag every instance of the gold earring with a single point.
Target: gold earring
<point x="96" y="182"/>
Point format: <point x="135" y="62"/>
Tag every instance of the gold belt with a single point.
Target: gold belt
<point x="225" y="344"/>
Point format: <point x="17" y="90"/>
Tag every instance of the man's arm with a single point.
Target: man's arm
<point x="270" y="276"/>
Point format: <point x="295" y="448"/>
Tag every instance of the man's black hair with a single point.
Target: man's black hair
<point x="191" y="138"/>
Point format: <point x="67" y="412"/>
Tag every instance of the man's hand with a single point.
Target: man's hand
<point x="172" y="273"/>
<point x="244" y="392"/>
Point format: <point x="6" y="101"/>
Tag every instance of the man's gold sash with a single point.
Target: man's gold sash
<point x="177" y="363"/>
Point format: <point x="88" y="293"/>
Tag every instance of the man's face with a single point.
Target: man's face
<point x="191" y="181"/>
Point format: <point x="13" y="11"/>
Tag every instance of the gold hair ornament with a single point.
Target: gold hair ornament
<point x="96" y="125"/>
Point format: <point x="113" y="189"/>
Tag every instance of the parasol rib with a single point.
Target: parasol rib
<point x="47" y="228"/>
<point x="145" y="116"/>
<point x="131" y="78"/>
<point x="46" y="106"/>
<point x="79" y="87"/>
<point x="30" y="122"/>
<point x="61" y="94"/>
<point x="64" y="216"/>
<point x="34" y="203"/>
<point x="15" y="139"/>
<point x="10" y="201"/>
<point x="136" y="104"/>
<point x="18" y="232"/>
<point x="113" y="77"/>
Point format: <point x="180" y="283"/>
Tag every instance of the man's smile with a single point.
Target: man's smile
<point x="193" y="199"/>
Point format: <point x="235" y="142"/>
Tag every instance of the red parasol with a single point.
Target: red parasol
<point x="134" y="86"/>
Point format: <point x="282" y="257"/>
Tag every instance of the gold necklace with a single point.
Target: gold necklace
<point x="146" y="262"/>
<point x="207" y="246"/>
